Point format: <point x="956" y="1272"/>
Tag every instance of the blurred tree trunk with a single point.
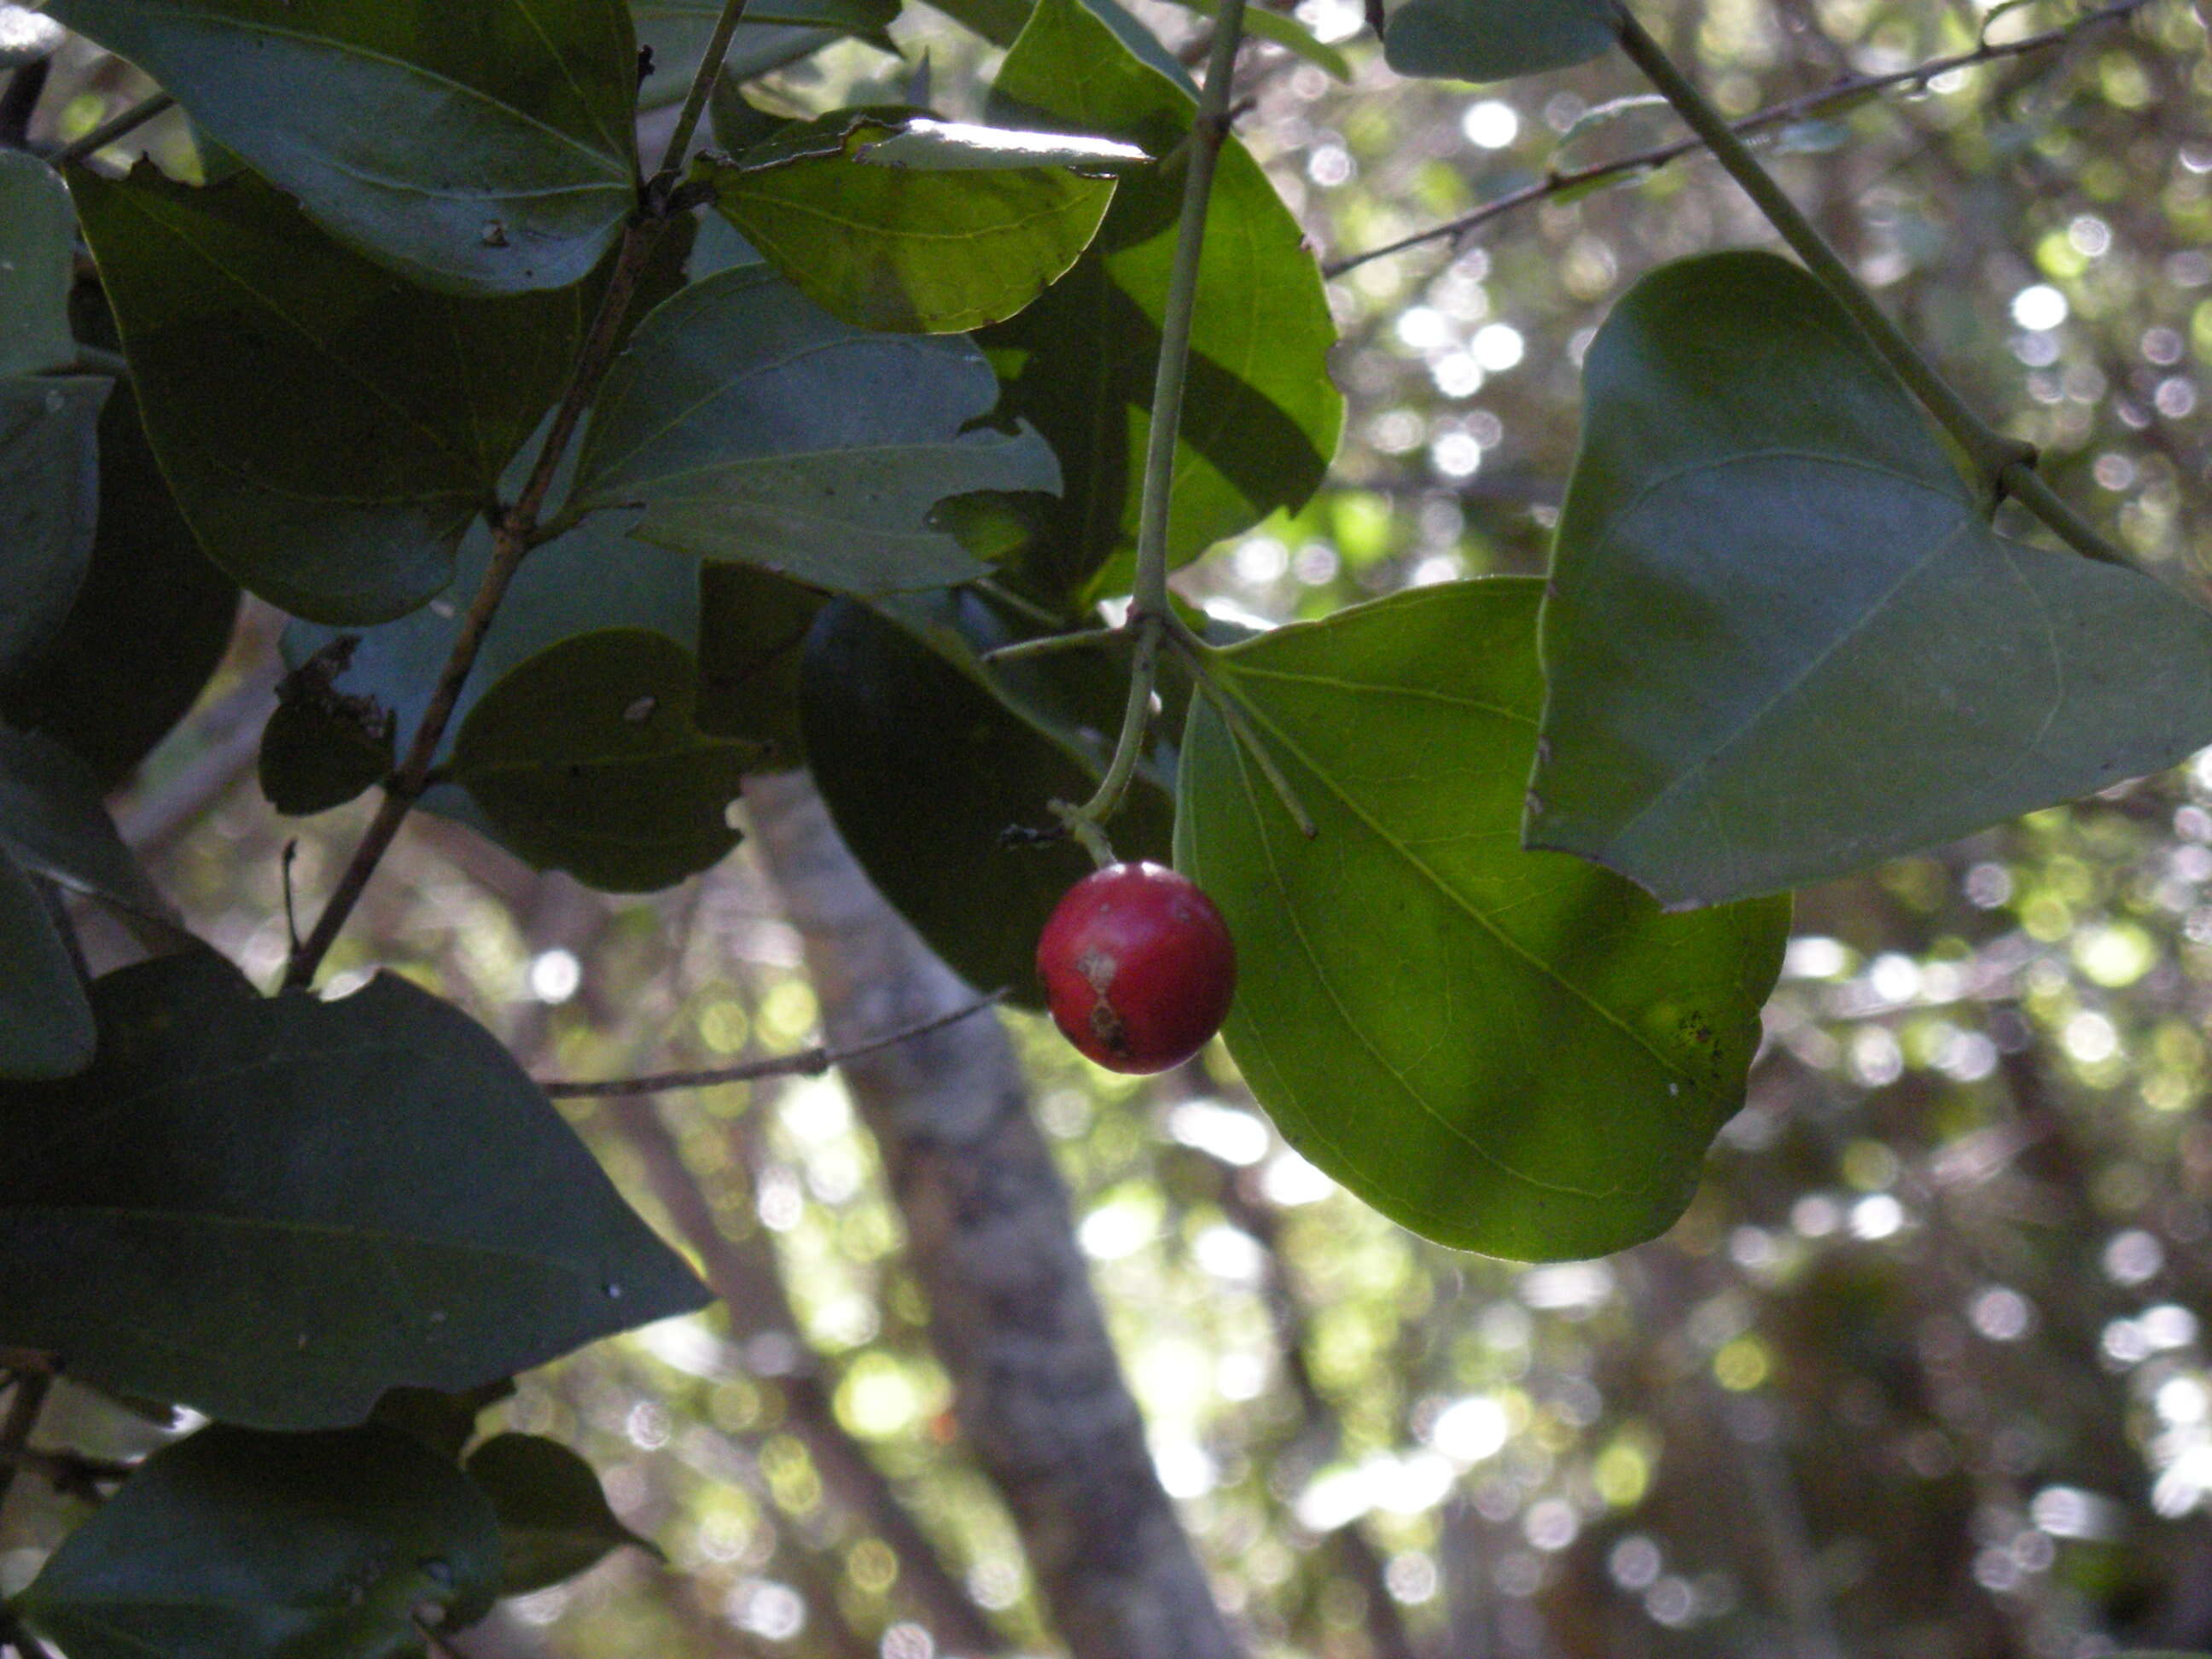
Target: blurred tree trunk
<point x="989" y="1234"/>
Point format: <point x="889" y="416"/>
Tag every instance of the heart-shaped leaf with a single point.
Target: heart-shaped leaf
<point x="586" y="758"/>
<point x="49" y="502"/>
<point x="554" y="1521"/>
<point x="753" y="426"/>
<point x="258" y="1545"/>
<point x="330" y="429"/>
<point x="926" y="771"/>
<point x="46" y="1018"/>
<point x="38" y="237"/>
<point x="1494" y="39"/>
<point x="1783" y="644"/>
<point x="900" y="221"/>
<point x="484" y="149"/>
<point x="351" y="1196"/>
<point x="1260" y="418"/>
<point x="1509" y="1052"/>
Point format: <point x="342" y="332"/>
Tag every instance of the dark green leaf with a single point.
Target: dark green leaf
<point x="330" y="429"/>
<point x="1261" y="418"/>
<point x="475" y="148"/>
<point x="53" y="820"/>
<point x="1781" y="642"/>
<point x="321" y="746"/>
<point x="150" y="624"/>
<point x="49" y="502"/>
<point x="38" y="238"/>
<point x="254" y="1546"/>
<point x="275" y="1210"/>
<point x="587" y="759"/>
<point x="45" y="1019"/>
<point x="446" y="1423"/>
<point x="774" y="33"/>
<point x="554" y="1521"/>
<point x="925" y="771"/>
<point x="1494" y="39"/>
<point x="753" y="627"/>
<point x="1509" y="1052"/>
<point x="907" y="223"/>
<point x="753" y="426"/>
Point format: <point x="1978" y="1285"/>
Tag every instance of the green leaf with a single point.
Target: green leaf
<point x="1260" y="418"/>
<point x="274" y="1210"/>
<point x="774" y="33"/>
<point x="446" y="1423"/>
<point x="38" y="237"/>
<point x="1494" y="39"/>
<point x="45" y="1019"/>
<point x="1285" y="32"/>
<point x="53" y="820"/>
<point x="484" y="149"/>
<point x="322" y="747"/>
<point x="258" y="1545"/>
<point x="1509" y="1052"/>
<point x="149" y="626"/>
<point x="752" y="629"/>
<point x="1781" y="642"/>
<point x="554" y="1521"/>
<point x="904" y="222"/>
<point x="751" y="425"/>
<point x="925" y="771"/>
<point x="330" y="429"/>
<point x="586" y="758"/>
<point x="49" y="502"/>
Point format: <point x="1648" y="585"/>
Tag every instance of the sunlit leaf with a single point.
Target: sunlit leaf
<point x="273" y="1210"/>
<point x="1509" y="1052"/>
<point x="1783" y="643"/>
<point x="1262" y="416"/>
<point x="753" y="426"/>
<point x="256" y="1545"/>
<point x="476" y="149"/>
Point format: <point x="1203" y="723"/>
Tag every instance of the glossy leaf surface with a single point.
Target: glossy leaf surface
<point x="1783" y="644"/>
<point x="330" y="429"/>
<point x="554" y="1521"/>
<point x="476" y="149"/>
<point x="1509" y="1052"/>
<point x="1261" y="418"/>
<point x="150" y="625"/>
<point x="258" y="1546"/>
<point x="914" y="225"/>
<point x="46" y="1018"/>
<point x="925" y="771"/>
<point x="38" y="238"/>
<point x="586" y="758"/>
<point x="753" y="426"/>
<point x="350" y="1195"/>
<point x="1494" y="39"/>
<point x="49" y="503"/>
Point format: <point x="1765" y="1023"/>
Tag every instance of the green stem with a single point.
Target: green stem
<point x="1998" y="461"/>
<point x="2023" y="483"/>
<point x="703" y="86"/>
<point x="1149" y="614"/>
<point x="1050" y="645"/>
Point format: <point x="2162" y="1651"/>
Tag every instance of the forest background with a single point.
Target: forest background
<point x="1923" y="1369"/>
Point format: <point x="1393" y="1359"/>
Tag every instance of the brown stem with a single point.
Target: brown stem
<point x="1794" y="109"/>
<point x="512" y="536"/>
<point x="807" y="1062"/>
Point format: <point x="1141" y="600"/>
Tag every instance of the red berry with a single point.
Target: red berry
<point x="1139" y="967"/>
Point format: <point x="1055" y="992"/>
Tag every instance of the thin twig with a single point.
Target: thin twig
<point x="1051" y="644"/>
<point x="109" y="132"/>
<point x="1781" y="114"/>
<point x="512" y="536"/>
<point x="68" y="1472"/>
<point x="29" y="1399"/>
<point x="807" y="1062"/>
<point x="703" y="85"/>
<point x="19" y="1640"/>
